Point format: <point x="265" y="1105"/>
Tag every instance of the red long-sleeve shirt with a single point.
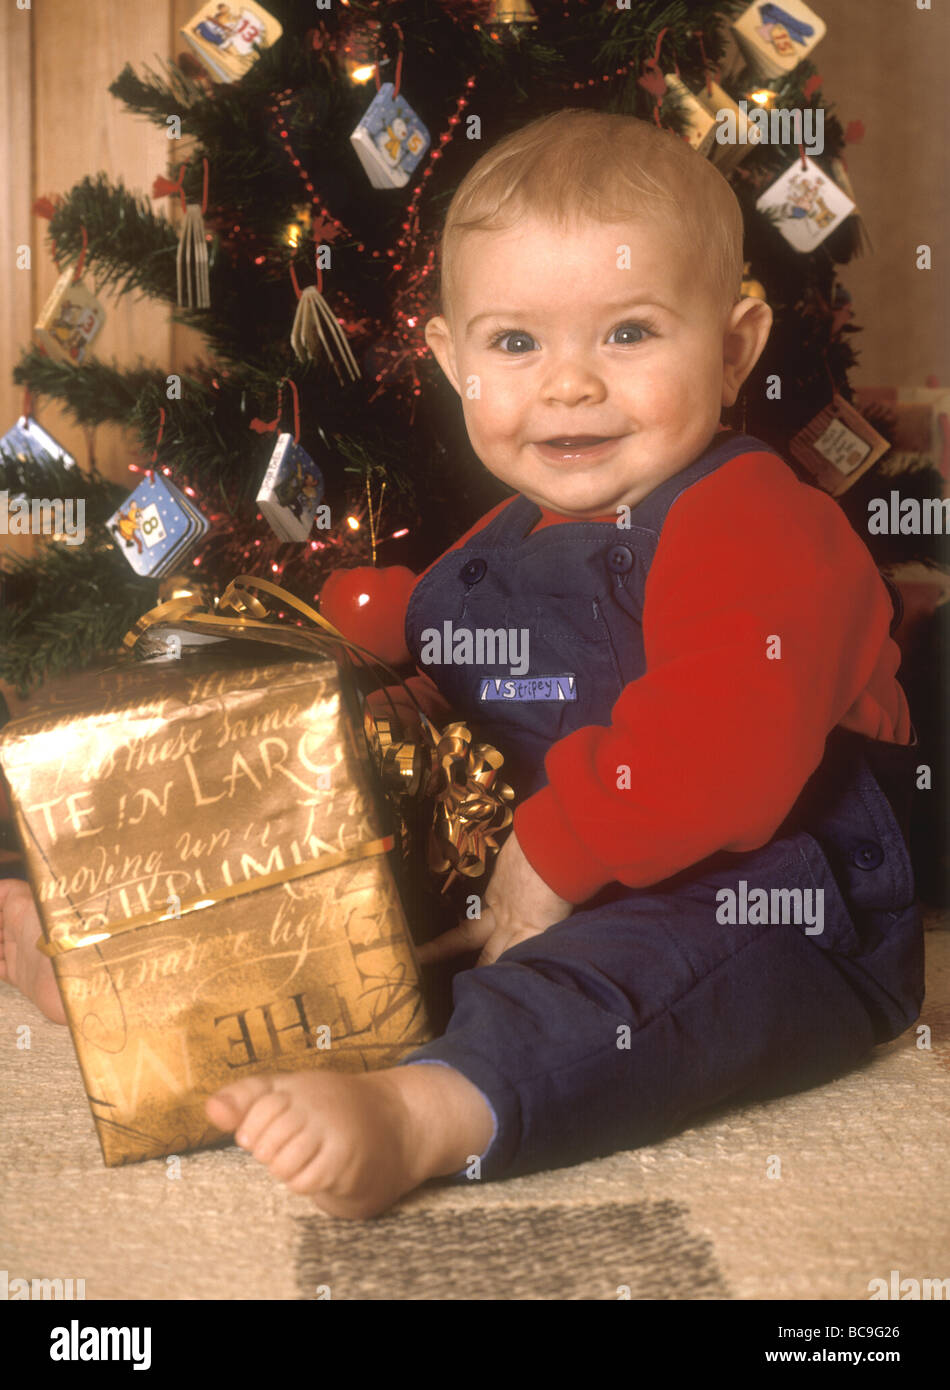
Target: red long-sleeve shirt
<point x="718" y="735"/>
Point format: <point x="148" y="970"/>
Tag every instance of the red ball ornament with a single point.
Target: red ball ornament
<point x="369" y="607"/>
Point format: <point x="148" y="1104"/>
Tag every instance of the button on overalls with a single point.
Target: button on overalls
<point x="623" y="1022"/>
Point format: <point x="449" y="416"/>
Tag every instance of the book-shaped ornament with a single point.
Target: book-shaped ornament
<point x="706" y="114"/>
<point x="775" y="38"/>
<point x="156" y="526"/>
<point x="226" y="38"/>
<point x="71" y="319"/>
<point x="805" y="205"/>
<point x="390" y="139"/>
<point x="292" y="490"/>
<point x="27" y="441"/>
<point x="838" y="446"/>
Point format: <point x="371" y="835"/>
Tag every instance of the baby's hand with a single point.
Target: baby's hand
<point x="518" y="904"/>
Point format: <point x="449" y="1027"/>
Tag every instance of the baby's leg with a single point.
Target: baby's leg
<point x="21" y="964"/>
<point x="620" y="1025"/>
<point x="605" y="1032"/>
<point x="629" y="1019"/>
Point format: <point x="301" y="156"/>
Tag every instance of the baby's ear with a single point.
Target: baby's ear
<point x="746" y="334"/>
<point x="440" y="340"/>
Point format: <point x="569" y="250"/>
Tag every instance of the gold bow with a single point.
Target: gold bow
<point x="471" y="805"/>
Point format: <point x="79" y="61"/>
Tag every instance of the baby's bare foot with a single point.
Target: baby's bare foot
<point x="21" y="964"/>
<point x="356" y="1143"/>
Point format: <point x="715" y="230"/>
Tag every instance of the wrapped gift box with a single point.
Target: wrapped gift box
<point x="206" y="840"/>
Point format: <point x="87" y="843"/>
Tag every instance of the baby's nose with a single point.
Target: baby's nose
<point x="572" y="380"/>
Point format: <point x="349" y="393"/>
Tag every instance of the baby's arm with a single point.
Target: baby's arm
<point x="765" y="621"/>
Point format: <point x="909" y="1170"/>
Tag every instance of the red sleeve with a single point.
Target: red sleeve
<point x="718" y="737"/>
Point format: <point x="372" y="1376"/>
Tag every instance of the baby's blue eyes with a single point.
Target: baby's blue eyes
<point x="635" y="333"/>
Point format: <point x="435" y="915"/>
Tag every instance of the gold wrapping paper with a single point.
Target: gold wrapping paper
<point x="144" y="792"/>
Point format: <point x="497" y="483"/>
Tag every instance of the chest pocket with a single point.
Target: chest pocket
<point x="575" y="623"/>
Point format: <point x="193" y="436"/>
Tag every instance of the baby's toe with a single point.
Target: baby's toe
<point x="297" y="1153"/>
<point x="263" y="1113"/>
<point x="227" y="1107"/>
<point x="281" y="1130"/>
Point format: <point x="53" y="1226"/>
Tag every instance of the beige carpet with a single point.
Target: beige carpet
<point x="864" y="1189"/>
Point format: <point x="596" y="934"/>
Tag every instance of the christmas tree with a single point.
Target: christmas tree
<point x="286" y="205"/>
<point x="271" y="190"/>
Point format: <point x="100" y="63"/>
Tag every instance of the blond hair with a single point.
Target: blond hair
<point x="577" y="164"/>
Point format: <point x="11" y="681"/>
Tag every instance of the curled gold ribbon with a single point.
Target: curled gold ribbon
<point x="230" y="619"/>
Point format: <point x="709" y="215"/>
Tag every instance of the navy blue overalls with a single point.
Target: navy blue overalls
<point x="621" y="1023"/>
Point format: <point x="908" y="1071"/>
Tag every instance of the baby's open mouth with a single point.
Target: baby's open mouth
<point x="578" y="441"/>
<point x="577" y="450"/>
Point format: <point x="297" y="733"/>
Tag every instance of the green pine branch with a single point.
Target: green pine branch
<point x="65" y="608"/>
<point x="158" y="97"/>
<point x="93" y="394"/>
<point x="129" y="246"/>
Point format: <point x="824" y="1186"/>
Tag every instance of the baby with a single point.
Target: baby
<point x="706" y="895"/>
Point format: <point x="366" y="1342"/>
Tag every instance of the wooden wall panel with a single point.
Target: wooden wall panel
<point x="884" y="63"/>
<point x="59" y="123"/>
<point x="188" y="345"/>
<point x="79" y="129"/>
<point x="16" y="220"/>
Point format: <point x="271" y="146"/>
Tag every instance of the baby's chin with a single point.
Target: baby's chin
<point x="579" y="508"/>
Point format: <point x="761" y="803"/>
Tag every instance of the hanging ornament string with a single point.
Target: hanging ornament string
<point x="47" y="208"/>
<point x="706" y="64"/>
<point x="262" y="427"/>
<point x="82" y="255"/>
<point x="398" y="77"/>
<point x="307" y="337"/>
<point x="653" y="80"/>
<point x="150" y="472"/>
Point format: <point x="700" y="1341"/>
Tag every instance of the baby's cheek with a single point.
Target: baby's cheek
<point x="492" y="409"/>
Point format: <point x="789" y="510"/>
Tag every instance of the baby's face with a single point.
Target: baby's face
<point x="586" y="376"/>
